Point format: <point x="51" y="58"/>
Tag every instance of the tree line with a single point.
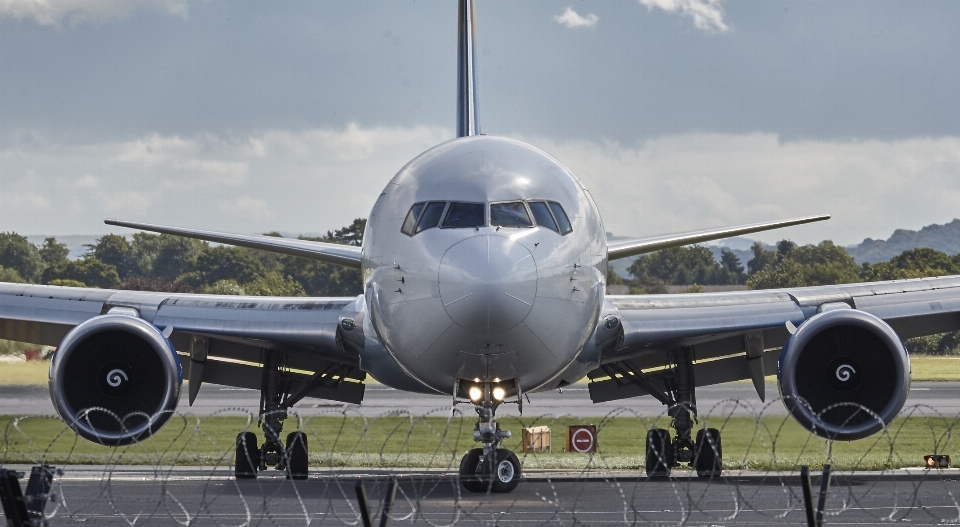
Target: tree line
<point x="160" y="262"/>
<point x="788" y="265"/>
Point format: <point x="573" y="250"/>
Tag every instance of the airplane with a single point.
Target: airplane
<point x="484" y="265"/>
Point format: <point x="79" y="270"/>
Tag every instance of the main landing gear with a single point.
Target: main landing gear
<point x="491" y="468"/>
<point x="274" y="401"/>
<point x="704" y="453"/>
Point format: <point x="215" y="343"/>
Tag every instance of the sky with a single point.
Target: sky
<point x="293" y="115"/>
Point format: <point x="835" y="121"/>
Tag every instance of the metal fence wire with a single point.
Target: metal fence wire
<point x="408" y="464"/>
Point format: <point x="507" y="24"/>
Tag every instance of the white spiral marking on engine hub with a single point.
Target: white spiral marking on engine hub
<point x="114" y="375"/>
<point x="844" y="371"/>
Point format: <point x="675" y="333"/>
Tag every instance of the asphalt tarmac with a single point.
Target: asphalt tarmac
<point x="130" y="496"/>
<point x="738" y="398"/>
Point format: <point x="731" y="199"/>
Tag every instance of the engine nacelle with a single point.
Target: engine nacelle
<point x="115" y="379"/>
<point x="844" y="374"/>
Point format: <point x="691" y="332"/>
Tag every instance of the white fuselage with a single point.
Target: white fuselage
<point x="484" y="302"/>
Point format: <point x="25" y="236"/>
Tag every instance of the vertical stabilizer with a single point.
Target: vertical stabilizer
<point x="467" y="122"/>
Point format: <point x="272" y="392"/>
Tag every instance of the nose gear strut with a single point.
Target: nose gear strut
<point x="490" y="468"/>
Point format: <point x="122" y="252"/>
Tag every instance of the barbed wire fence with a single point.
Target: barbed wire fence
<point x="184" y="474"/>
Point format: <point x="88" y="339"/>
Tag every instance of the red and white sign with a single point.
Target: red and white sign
<point x="582" y="438"/>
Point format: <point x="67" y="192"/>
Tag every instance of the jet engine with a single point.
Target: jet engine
<point x="844" y="374"/>
<point x="115" y="379"/>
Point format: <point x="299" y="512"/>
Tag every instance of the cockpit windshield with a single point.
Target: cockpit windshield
<point x="431" y="215"/>
<point x="463" y="215"/>
<point x="510" y="214"/>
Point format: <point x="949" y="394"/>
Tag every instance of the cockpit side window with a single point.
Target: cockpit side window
<point x="510" y="214"/>
<point x="431" y="215"/>
<point x="561" y="217"/>
<point x="463" y="215"/>
<point x="411" y="220"/>
<point x="541" y="213"/>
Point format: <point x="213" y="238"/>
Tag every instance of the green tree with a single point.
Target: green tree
<point x="679" y="266"/>
<point x="822" y="264"/>
<point x="17" y="253"/>
<point x="172" y="256"/>
<point x="940" y="344"/>
<point x="612" y="277"/>
<point x="115" y="250"/>
<point x="89" y="271"/>
<point x="274" y="284"/>
<point x="223" y="287"/>
<point x="53" y="253"/>
<point x="10" y="276"/>
<point x="224" y="263"/>
<point x="730" y="263"/>
<point x="350" y="235"/>
<point x="761" y="258"/>
<point x="912" y="263"/>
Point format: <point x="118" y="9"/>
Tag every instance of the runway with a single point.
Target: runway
<point x="738" y="398"/>
<point x="193" y="497"/>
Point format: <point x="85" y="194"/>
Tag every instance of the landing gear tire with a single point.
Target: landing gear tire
<point x="248" y="456"/>
<point x="506" y="472"/>
<point x="659" y="453"/>
<point x="708" y="454"/>
<point x="297" y="459"/>
<point x="471" y="474"/>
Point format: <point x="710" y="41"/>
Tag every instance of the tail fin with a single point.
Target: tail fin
<point x="467" y="122"/>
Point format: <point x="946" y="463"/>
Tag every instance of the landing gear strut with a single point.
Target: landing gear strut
<point x="704" y="453"/>
<point x="491" y="468"/>
<point x="292" y="457"/>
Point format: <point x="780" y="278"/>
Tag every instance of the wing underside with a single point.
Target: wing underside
<point x="728" y="332"/>
<point x="220" y="339"/>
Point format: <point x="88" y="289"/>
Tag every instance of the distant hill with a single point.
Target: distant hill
<point x="943" y="238"/>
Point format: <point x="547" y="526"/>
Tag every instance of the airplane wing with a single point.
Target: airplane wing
<point x="325" y="252"/>
<point x="625" y="248"/>
<point x="220" y="339"/>
<point x="727" y="332"/>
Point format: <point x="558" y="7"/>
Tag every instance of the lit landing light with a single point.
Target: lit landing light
<point x="476" y="393"/>
<point x="499" y="393"/>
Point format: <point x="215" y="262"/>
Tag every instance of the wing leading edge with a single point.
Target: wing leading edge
<point x="325" y="252"/>
<point x="625" y="248"/>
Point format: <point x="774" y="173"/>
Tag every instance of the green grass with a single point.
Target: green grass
<point x="32" y="373"/>
<point x="772" y="443"/>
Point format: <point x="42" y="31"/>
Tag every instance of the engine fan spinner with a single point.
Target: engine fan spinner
<point x="115" y="379"/>
<point x="844" y="374"/>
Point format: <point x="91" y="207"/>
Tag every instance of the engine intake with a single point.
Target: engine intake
<point x="844" y="374"/>
<point x="115" y="379"/>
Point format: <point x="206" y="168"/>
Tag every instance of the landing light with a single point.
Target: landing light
<point x="499" y="393"/>
<point x="475" y="393"/>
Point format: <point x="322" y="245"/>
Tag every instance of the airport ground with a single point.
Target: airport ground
<point x="608" y="491"/>
<point x="191" y="497"/>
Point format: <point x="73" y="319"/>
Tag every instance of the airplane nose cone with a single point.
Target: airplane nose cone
<point x="488" y="283"/>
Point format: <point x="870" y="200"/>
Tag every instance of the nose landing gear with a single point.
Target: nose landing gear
<point x="491" y="468"/>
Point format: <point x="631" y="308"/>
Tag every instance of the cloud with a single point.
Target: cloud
<point x="54" y="12"/>
<point x="696" y="181"/>
<point x="572" y="19"/>
<point x="305" y="181"/>
<point x="246" y="206"/>
<point x="706" y="14"/>
<point x="309" y="181"/>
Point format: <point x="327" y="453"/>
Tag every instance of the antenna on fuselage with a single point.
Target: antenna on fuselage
<point x="467" y="122"/>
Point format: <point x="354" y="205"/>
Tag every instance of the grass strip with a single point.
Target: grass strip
<point x="767" y="443"/>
